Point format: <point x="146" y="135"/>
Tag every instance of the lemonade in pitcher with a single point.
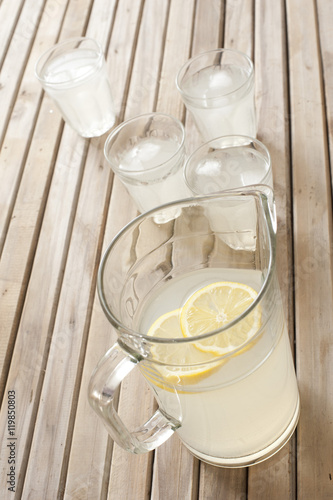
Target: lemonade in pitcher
<point x="197" y="307"/>
<point x="235" y="392"/>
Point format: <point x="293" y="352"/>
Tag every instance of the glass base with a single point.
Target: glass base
<point x="96" y="132"/>
<point x="254" y="458"/>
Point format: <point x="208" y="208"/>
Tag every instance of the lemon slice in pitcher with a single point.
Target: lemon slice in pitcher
<point x="178" y="363"/>
<point x="213" y="307"/>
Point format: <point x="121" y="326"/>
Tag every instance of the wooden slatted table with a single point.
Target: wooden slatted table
<point x="60" y="206"/>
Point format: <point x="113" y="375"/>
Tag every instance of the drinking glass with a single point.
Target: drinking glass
<point x="230" y="408"/>
<point x="226" y="163"/>
<point x="147" y="153"/>
<point x="74" y="74"/>
<point x="217" y="88"/>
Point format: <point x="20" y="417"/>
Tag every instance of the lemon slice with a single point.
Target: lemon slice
<point x="213" y="307"/>
<point x="177" y="363"/>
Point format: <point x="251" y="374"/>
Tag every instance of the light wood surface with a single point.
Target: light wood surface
<point x="60" y="206"/>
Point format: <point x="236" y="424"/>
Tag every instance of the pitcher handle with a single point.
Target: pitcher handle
<point x="105" y="380"/>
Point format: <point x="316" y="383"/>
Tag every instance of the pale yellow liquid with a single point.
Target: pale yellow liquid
<point x="246" y="409"/>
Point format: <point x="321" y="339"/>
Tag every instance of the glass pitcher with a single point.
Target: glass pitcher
<point x="230" y="393"/>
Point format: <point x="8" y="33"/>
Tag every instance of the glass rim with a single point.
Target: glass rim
<point x="201" y="55"/>
<point x="229" y="137"/>
<point x="43" y="58"/>
<point x="122" y="329"/>
<point x="123" y="172"/>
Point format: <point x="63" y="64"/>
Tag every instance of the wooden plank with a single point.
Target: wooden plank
<point x="9" y="15"/>
<point x="175" y="472"/>
<point x="16" y="56"/>
<point x="267" y="479"/>
<point x="130" y="475"/>
<point x="148" y="58"/>
<point x="313" y="253"/>
<point x="176" y="53"/>
<point x="325" y="16"/>
<point x="208" y="26"/>
<point x="276" y="478"/>
<point x="239" y="26"/>
<point x="216" y="483"/>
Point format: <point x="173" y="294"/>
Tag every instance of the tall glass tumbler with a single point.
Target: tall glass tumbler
<point x="74" y="74"/>
<point x="217" y="88"/>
